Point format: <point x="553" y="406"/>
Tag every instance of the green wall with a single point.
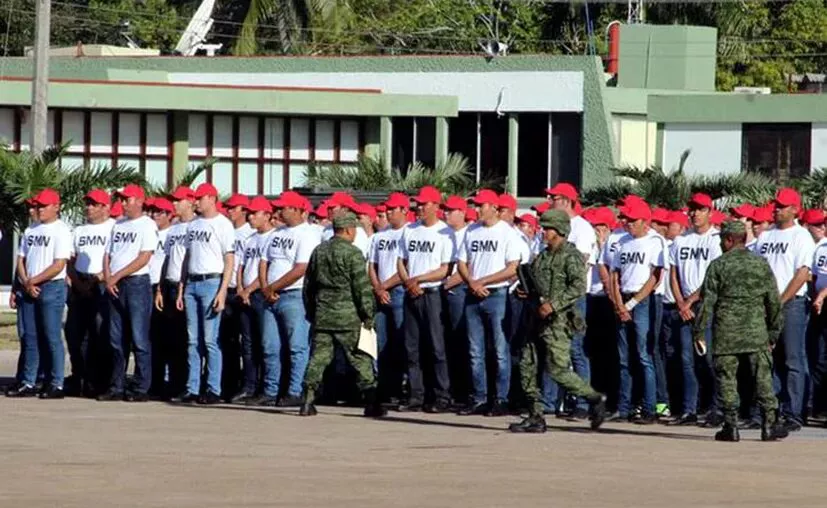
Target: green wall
<point x="738" y="108"/>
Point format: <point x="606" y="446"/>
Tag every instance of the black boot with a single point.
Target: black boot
<point x="598" y="411"/>
<point x="728" y="433"/>
<point x="534" y="424"/>
<point x="373" y="408"/>
<point x="771" y="428"/>
<point x="308" y="409"/>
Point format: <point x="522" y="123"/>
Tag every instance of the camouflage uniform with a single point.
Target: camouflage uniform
<point x="338" y="299"/>
<point x="739" y="294"/>
<point x="561" y="279"/>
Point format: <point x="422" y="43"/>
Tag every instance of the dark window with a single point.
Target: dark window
<point x="402" y="142"/>
<point x="426" y="141"/>
<point x="781" y="150"/>
<point x="462" y="137"/>
<point x="566" y="147"/>
<point x="532" y="163"/>
<point x="493" y="147"/>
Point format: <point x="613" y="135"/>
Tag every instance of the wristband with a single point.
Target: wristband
<point x="631" y="304"/>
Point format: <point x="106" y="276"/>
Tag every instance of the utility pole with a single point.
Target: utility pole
<point x="40" y="80"/>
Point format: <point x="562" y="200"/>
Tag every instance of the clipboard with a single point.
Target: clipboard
<point x="367" y="342"/>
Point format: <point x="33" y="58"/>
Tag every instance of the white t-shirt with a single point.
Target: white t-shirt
<point x="635" y="259"/>
<point x="241" y="234"/>
<point x="458" y="237"/>
<point x="786" y="250"/>
<point x="156" y="262"/>
<point x="582" y="235"/>
<point x="362" y="241"/>
<point x="90" y="243"/>
<point x="820" y="265"/>
<point x="691" y="253"/>
<point x="43" y="244"/>
<point x="488" y="250"/>
<point x="383" y="247"/>
<point x="290" y="246"/>
<point x="426" y="248"/>
<point x="593" y="283"/>
<point x="251" y="253"/>
<point x="130" y="237"/>
<point x="660" y="289"/>
<point x="523" y="244"/>
<point x="208" y="240"/>
<point x="610" y="248"/>
<point x="175" y="248"/>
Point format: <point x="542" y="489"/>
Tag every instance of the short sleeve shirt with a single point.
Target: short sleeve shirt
<point x="131" y="237"/>
<point x="208" y="240"/>
<point x="90" y="243"/>
<point x="426" y="248"/>
<point x="290" y="246"/>
<point x="43" y="244"/>
<point x="786" y="250"/>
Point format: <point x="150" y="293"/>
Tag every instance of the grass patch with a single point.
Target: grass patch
<point x="8" y="331"/>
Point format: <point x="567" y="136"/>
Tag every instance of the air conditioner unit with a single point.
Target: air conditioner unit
<point x="752" y="90"/>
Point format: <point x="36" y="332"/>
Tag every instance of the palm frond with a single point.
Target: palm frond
<point x="813" y="188"/>
<point x="76" y="182"/>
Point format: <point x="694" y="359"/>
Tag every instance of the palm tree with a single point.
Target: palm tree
<point x="287" y="18"/>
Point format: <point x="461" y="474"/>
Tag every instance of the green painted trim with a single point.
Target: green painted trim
<point x="233" y="100"/>
<point x="659" y="145"/>
<point x="139" y="75"/>
<point x="386" y="141"/>
<point x="513" y="152"/>
<point x="738" y="108"/>
<point x="441" y="146"/>
<point x="180" y="144"/>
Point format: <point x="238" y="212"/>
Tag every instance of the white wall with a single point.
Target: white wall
<point x="635" y="140"/>
<point x="477" y="91"/>
<point x="818" y="146"/>
<point x="714" y="148"/>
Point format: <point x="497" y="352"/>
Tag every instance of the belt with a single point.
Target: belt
<point x="86" y="276"/>
<point x="432" y="290"/>
<point x="203" y="276"/>
<point x="289" y="290"/>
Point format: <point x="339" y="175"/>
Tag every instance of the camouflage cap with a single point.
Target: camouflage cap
<point x="346" y="220"/>
<point x="557" y="220"/>
<point x="733" y="227"/>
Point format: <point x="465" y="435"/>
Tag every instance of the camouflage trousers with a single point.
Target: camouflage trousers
<point x="324" y="343"/>
<point x="550" y="347"/>
<point x="760" y="368"/>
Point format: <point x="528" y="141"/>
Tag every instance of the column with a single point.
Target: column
<point x="180" y="144"/>
<point x="441" y="147"/>
<point x="385" y="141"/>
<point x="513" y="152"/>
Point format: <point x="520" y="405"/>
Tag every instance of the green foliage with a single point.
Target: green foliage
<point x="186" y="179"/>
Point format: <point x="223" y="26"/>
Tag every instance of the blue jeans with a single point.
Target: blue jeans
<point x="42" y="326"/>
<point x="389" y="319"/>
<point x="486" y="317"/>
<point x="285" y="320"/>
<point x="636" y="330"/>
<point x="202" y="331"/>
<point x="791" y="371"/>
<point x="132" y="308"/>
<point x="250" y="320"/>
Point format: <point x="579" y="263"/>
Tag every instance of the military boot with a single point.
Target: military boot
<point x="771" y="428"/>
<point x="308" y="409"/>
<point x="373" y="407"/>
<point x="534" y="424"/>
<point x="598" y="411"/>
<point x="728" y="433"/>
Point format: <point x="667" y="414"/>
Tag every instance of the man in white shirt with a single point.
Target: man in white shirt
<point x="487" y="260"/>
<point x="166" y="293"/>
<point x="454" y="291"/>
<point x="85" y="332"/>
<point x="251" y="252"/>
<point x="788" y="248"/>
<point x="689" y="257"/>
<point x="230" y="332"/>
<point x="424" y="256"/>
<point x="126" y="274"/>
<point x="390" y="295"/>
<point x="281" y="275"/>
<point x="41" y="270"/>
<point x="636" y="271"/>
<point x="161" y="210"/>
<point x="202" y="291"/>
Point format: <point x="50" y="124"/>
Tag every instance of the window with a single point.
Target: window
<point x="781" y="151"/>
<point x="414" y="139"/>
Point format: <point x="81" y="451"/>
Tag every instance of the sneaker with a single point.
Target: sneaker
<point x="662" y="410"/>
<point x="531" y="425"/>
<point x="499" y="408"/>
<point x="578" y="415"/>
<point x="136" y="397"/>
<point x="791" y="425"/>
<point x="264" y="400"/>
<point x="474" y="409"/>
<point x="210" y="399"/>
<point x="110" y="396"/>
<point x="291" y="401"/>
<point x="684" y="419"/>
<point x="645" y="419"/>
<point x="616" y="417"/>
<point x="52" y="392"/>
<point x="241" y="397"/>
<point x="713" y="420"/>
<point x="21" y="391"/>
<point x="410" y="407"/>
<point x="440" y="406"/>
<point x="185" y="398"/>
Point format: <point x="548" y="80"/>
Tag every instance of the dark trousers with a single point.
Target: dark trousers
<point x="131" y="310"/>
<point x="456" y="342"/>
<point x="229" y="340"/>
<point x="168" y="333"/>
<point x="251" y="360"/>
<point x="601" y="346"/>
<point x="87" y="337"/>
<point x="423" y="325"/>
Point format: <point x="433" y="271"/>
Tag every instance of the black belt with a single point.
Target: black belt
<point x="435" y="289"/>
<point x="203" y="276"/>
<point x="289" y="290"/>
<point x="86" y="276"/>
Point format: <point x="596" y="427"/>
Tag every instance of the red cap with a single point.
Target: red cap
<point x="631" y="198"/>
<point x="29" y="202"/>
<point x="237" y="200"/>
<point x="471" y="215"/>
<point x="661" y="216"/>
<point x="602" y="215"/>
<point x="428" y="194"/>
<point x="788" y="197"/>
<point x="182" y="193"/>
<point x="506" y="200"/>
<point x="746" y="210"/>
<point x="398" y="200"/>
<point x="813" y="217"/>
<point x="701" y="199"/>
<point x="566" y="190"/>
<point x="98" y="196"/>
<point x="528" y="218"/>
<point x="717" y="217"/>
<point x="680" y="218"/>
<point x="116" y="210"/>
<point x="763" y="214"/>
<point x="635" y="211"/>
<point x="131" y="191"/>
<point x="366" y="209"/>
<point x="206" y="189"/>
<point x="47" y="197"/>
<point x="342" y="199"/>
<point x="163" y="204"/>
<point x="259" y="204"/>
<point x="540" y="208"/>
<point x="486" y="196"/>
<point x="381" y="208"/>
<point x="148" y="203"/>
<point x="321" y="211"/>
<point x="289" y="198"/>
<point x="455" y="203"/>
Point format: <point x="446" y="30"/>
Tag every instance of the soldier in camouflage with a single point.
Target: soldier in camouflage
<point x="740" y="296"/>
<point x="339" y="300"/>
<point x="561" y="279"/>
